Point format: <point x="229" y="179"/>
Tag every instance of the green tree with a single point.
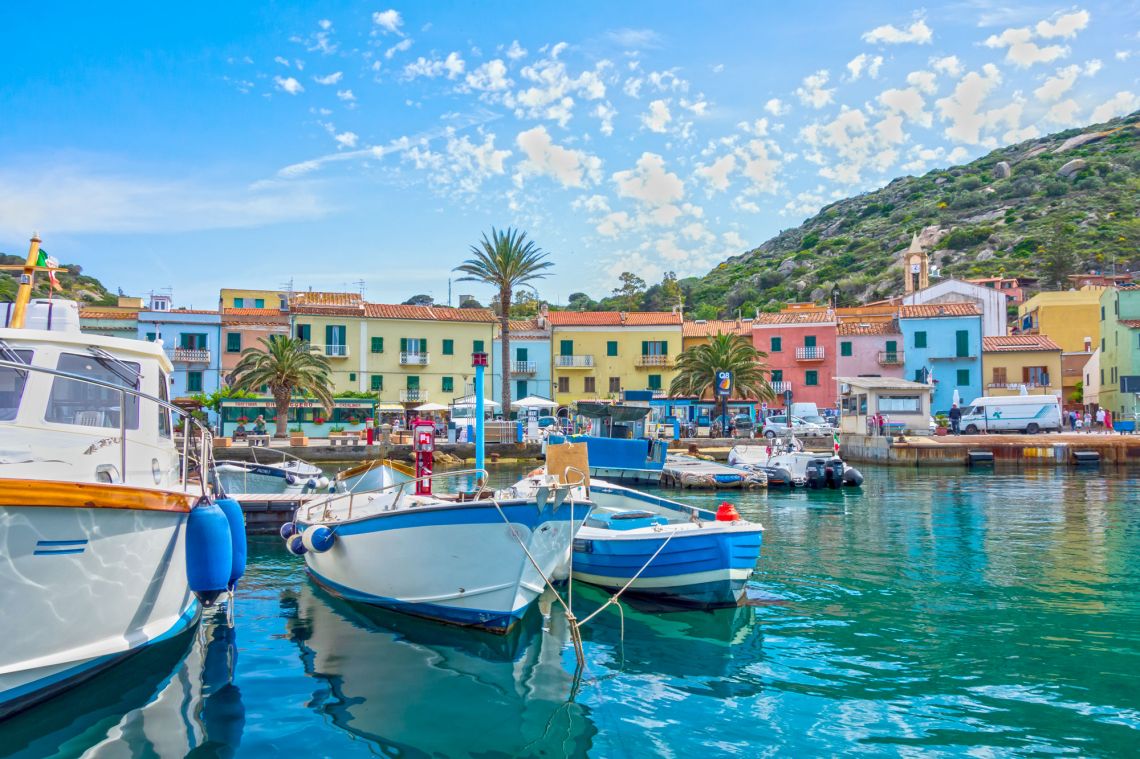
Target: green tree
<point x="1058" y="258"/>
<point x="697" y="368"/>
<point x="213" y="401"/>
<point x="631" y="291"/>
<point x="286" y="365"/>
<point x="581" y="302"/>
<point x="671" y="290"/>
<point x="506" y="260"/>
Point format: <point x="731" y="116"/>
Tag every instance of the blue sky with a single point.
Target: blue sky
<point x="326" y="143"/>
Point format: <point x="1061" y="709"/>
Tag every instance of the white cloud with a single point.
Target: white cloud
<point x="813" y="91"/>
<point x="389" y="21"/>
<point x="400" y="47"/>
<point x="1092" y="67"/>
<point x="658" y="118"/>
<point x="761" y="163"/>
<point x="346" y="95"/>
<point x="634" y="38"/>
<point x="283" y="61"/>
<point x="551" y="94"/>
<point x="330" y="79"/>
<point x="451" y="66"/>
<point x="909" y="102"/>
<point x="288" y="84"/>
<point x="864" y="62"/>
<point x="1066" y="25"/>
<point x="571" y="168"/>
<point x="1057" y="85"/>
<point x="848" y="146"/>
<point x="592" y="203"/>
<point x="347" y="139"/>
<point x="489" y="77"/>
<point x="776" y="107"/>
<point x="1063" y="113"/>
<point x="1119" y="104"/>
<point x="716" y="173"/>
<point x="925" y="81"/>
<point x="805" y="203"/>
<point x="516" y="51"/>
<point x="559" y="49"/>
<point x="653" y="186"/>
<point x="1022" y="50"/>
<point x="324" y="23"/>
<point x="918" y="33"/>
<point x="632" y="87"/>
<point x="667" y="81"/>
<point x="962" y="107"/>
<point x="949" y="65"/>
<point x="615" y="224"/>
<point x="1122" y="55"/>
<point x="605" y="113"/>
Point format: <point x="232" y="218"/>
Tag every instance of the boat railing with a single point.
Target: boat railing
<point x="196" y="451"/>
<point x="400" y="489"/>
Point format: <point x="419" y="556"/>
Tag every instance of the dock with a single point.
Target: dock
<point x="266" y="512"/>
<point x="689" y="472"/>
<point x="1066" y="449"/>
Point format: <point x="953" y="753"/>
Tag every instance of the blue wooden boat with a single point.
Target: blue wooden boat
<point x="616" y="446"/>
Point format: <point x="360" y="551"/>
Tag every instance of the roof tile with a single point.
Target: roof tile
<point x="883" y="327"/>
<point x="614" y="318"/>
<point x="94" y="313"/>
<point x="813" y="316"/>
<point x="935" y="310"/>
<point x="713" y="327"/>
<point x="1009" y="343"/>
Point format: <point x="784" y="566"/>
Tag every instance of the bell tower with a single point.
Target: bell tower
<point x="916" y="267"/>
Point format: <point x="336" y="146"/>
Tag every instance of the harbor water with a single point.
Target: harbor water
<point x="941" y="613"/>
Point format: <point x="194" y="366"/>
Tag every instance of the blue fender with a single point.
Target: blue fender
<point x="236" y="520"/>
<point x="209" y="551"/>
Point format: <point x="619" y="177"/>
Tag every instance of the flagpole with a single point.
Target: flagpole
<point x="27" y="279"/>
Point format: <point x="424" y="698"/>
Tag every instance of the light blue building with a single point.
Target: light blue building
<point x="191" y="339"/>
<point x="530" y="369"/>
<point x="942" y="344"/>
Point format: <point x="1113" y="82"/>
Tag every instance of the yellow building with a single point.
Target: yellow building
<point x="701" y="331"/>
<point x="1070" y="318"/>
<point x="598" y="354"/>
<point x="406" y="354"/>
<point x="259" y="299"/>
<point x="1011" y="362"/>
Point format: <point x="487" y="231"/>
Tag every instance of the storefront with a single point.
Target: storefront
<point x="348" y="414"/>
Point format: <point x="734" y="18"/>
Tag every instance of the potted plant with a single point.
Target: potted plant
<point x="297" y="436"/>
<point x="318" y="421"/>
<point x="243" y="420"/>
<point x="941" y="424"/>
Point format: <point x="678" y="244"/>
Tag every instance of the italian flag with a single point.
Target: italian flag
<point x="835" y="441"/>
<point x="48" y="261"/>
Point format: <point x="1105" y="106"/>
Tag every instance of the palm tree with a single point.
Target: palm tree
<point x="697" y="368"/>
<point x="286" y="365"/>
<point x="505" y="261"/>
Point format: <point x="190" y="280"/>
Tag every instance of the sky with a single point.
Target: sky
<point x="365" y="145"/>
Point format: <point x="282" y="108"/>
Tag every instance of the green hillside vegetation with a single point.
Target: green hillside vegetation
<point x="1049" y="207"/>
<point x="76" y="285"/>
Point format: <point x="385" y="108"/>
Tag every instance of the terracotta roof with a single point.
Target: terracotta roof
<point x="93" y="313"/>
<point x="522" y="325"/>
<point x="300" y="309"/>
<point x="254" y="316"/>
<point x="428" y="313"/>
<point x="934" y="310"/>
<point x="1007" y="343"/>
<point x="176" y="311"/>
<point x="1131" y="323"/>
<point x="327" y="299"/>
<point x="613" y="318"/>
<point x="868" y="328"/>
<point x="713" y="327"/>
<point x="823" y="316"/>
<point x="253" y="312"/>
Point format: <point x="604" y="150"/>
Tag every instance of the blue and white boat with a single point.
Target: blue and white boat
<point x="476" y="563"/>
<point x="664" y="550"/>
<point x="617" y="448"/>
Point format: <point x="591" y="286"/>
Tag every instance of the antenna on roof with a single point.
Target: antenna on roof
<point x="360" y="286"/>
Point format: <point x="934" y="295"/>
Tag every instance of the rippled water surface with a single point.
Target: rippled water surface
<point x="935" y="612"/>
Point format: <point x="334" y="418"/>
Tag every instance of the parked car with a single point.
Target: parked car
<point x="742" y="426"/>
<point x="777" y="424"/>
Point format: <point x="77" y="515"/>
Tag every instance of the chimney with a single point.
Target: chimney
<point x="622" y="315"/>
<point x="543" y="312"/>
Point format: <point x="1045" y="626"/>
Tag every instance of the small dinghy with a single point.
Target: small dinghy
<point x="289" y="475"/>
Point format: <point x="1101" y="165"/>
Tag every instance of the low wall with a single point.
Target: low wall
<point x="1008" y="450"/>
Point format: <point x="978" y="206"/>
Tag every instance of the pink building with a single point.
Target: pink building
<point x="800" y="344"/>
<point x="869" y="349"/>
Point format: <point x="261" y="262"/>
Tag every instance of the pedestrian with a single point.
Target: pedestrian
<point x="1100" y="419"/>
<point x="1072" y="420"/>
<point x="1088" y="422"/>
<point x="1108" y="421"/>
<point x="1080" y="423"/>
<point x="955" y="419"/>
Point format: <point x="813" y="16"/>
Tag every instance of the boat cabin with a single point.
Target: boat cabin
<point x="904" y="405"/>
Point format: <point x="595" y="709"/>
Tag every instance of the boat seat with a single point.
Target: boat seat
<point x="624" y="520"/>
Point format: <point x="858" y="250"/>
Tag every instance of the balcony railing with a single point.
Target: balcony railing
<point x="781" y="386"/>
<point x="414" y="359"/>
<point x="647" y="361"/>
<point x="810" y="353"/>
<point x="574" y="362"/>
<point x="413" y="396"/>
<point x="190" y="355"/>
<point x="890" y="358"/>
<point x="1017" y="385"/>
<point x="524" y="367"/>
<point x="336" y="351"/>
<point x="659" y="392"/>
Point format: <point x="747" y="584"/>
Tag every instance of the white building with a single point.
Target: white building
<point x="1091" y="389"/>
<point x="992" y="302"/>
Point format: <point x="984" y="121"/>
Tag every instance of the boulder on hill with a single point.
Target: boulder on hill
<point x="1072" y="167"/>
<point x="1002" y="170"/>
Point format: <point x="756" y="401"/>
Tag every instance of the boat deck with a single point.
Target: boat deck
<point x="689" y="472"/>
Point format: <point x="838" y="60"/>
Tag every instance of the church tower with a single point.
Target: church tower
<point x="916" y="267"/>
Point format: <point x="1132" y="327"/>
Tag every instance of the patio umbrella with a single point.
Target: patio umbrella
<point x="469" y="400"/>
<point x="534" y="401"/>
<point x="957" y="400"/>
<point x="431" y="407"/>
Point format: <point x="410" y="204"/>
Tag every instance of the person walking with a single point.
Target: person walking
<point x="1072" y="420"/>
<point x="1100" y="419"/>
<point x="955" y="419"/>
<point x="1108" y="421"/>
<point x="1088" y="422"/>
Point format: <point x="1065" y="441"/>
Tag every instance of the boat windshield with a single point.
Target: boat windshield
<point x="12" y="383"/>
<point x="89" y="405"/>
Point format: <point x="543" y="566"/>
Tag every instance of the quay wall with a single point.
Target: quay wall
<point x="1007" y="450"/>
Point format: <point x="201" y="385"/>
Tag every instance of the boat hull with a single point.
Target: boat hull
<point x="627" y="476"/>
<point x="461" y="564"/>
<point x="91" y="586"/>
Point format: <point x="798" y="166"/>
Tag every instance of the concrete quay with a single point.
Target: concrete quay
<point x="1063" y="449"/>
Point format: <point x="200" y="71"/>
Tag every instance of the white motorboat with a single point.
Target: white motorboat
<point x="98" y="500"/>
<point x="477" y="563"/>
<point x="788" y="465"/>
<point x="270" y="471"/>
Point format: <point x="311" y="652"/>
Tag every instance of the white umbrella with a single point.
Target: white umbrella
<point x="534" y="401"/>
<point x="957" y="400"/>
<point x="431" y="407"/>
<point x="469" y="400"/>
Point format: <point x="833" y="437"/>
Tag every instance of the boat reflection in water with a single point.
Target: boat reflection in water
<point x="171" y="699"/>
<point x="416" y="688"/>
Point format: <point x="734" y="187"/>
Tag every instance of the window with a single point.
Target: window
<point x="1035" y="375"/>
<point x="845" y="348"/>
<point x="304" y="332"/>
<point x="151" y="337"/>
<point x="611" y="348"/>
<point x="193" y="341"/>
<point x="920" y="375"/>
<point x="239" y="302"/>
<point x="655" y="347"/>
<point x="12" y="383"/>
<point x="615" y="384"/>
<point x="963" y="377"/>
<point x="900" y="404"/>
<point x="589" y="385"/>
<point x="416" y="346"/>
<point x="448" y="384"/>
<point x="412" y="382"/>
<point x="233" y="342"/>
<point x="566" y="348"/>
<point x="811" y="378"/>
<point x="892" y="348"/>
<point x="377" y="382"/>
<point x="920" y="339"/>
<point x="777" y="375"/>
<point x="377" y="345"/>
<point x="775" y="344"/>
<point x="336" y="340"/>
<point x="1000" y="376"/>
<point x="520" y="354"/>
<point x="1102" y="376"/>
<point x="449" y="347"/>
<point x="259" y="302"/>
<point x="962" y="338"/>
<point x="194" y="382"/>
<point x="1102" y="313"/>
<point x="164" y="425"/>
<point x="563" y="384"/>
<point x="520" y="389"/>
<point x="654" y="381"/>
<point x="477" y="346"/>
<point x="809" y="341"/>
<point x="1102" y="345"/>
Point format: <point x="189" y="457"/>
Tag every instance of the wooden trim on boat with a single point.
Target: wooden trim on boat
<point x="90" y="495"/>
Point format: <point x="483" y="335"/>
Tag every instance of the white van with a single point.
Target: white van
<point x="1018" y="413"/>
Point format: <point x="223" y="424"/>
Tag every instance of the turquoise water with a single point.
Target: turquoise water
<point x="944" y="614"/>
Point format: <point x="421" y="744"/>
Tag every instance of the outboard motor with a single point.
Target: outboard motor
<point x="814" y="474"/>
<point x="852" y="477"/>
<point x="833" y="472"/>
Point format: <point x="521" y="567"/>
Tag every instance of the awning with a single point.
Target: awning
<point x="534" y="401"/>
<point x="389" y="407"/>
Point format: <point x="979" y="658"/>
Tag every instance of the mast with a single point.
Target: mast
<point x="27" y="279"/>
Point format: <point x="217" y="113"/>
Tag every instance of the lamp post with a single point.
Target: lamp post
<point x="479" y="361"/>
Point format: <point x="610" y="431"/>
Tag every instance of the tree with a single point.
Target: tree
<point x="631" y="291"/>
<point x="213" y="401"/>
<point x="581" y="302"/>
<point x="506" y="261"/>
<point x="286" y="365"/>
<point x="697" y="368"/>
<point x="421" y="300"/>
<point x="671" y="290"/>
<point x="467" y="301"/>
<point x="1058" y="259"/>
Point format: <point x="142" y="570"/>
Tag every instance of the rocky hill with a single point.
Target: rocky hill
<point x="76" y="285"/>
<point x="1048" y="207"/>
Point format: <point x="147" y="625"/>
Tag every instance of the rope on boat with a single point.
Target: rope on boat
<point x="614" y="599"/>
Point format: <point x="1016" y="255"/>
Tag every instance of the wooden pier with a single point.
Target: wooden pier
<point x="689" y="472"/>
<point x="266" y="512"/>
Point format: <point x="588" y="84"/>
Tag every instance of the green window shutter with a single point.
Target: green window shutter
<point x="233" y="342"/>
<point x="477" y="346"/>
<point x="413" y="382"/>
<point x="611" y="348"/>
<point x="520" y="389"/>
<point x="645" y="347"/>
<point x="566" y="348"/>
<point x="448" y="384"/>
<point x="892" y="346"/>
<point x="520" y="354"/>
<point x="304" y="332"/>
<point x="377" y="345"/>
<point x="403" y="345"/>
<point x="963" y="339"/>
<point x="809" y="341"/>
<point x="259" y="303"/>
<point x="664" y="347"/>
<point x="777" y="375"/>
<point x="654" y="381"/>
<point x="919" y="375"/>
<point x="352" y="376"/>
<point x="449" y="347"/>
<point x="239" y="302"/>
<point x="194" y="382"/>
<point x="919" y="339"/>
<point x="423" y="345"/>
<point x="377" y="382"/>
<point x="845" y="348"/>
<point x="811" y="378"/>
<point x="963" y="377"/>
<point x="151" y="336"/>
<point x="776" y="344"/>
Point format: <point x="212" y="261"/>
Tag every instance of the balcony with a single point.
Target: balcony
<point x="413" y="395"/>
<point x="574" y="362"/>
<point x="414" y="359"/>
<point x="1029" y="386"/>
<point x="524" y="367"/>
<point x="809" y="353"/>
<point x="647" y="361"/>
<point x="890" y="358"/>
<point x="781" y="386"/>
<point x="190" y="355"/>
<point x="336" y="351"/>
